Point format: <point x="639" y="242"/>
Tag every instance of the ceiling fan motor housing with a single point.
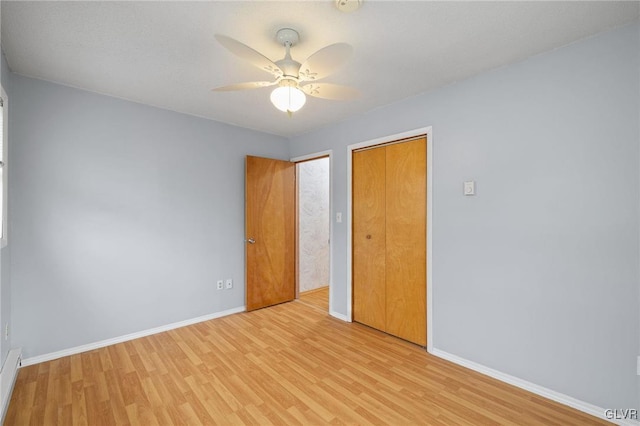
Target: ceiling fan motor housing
<point x="289" y="67"/>
<point x="288" y="38"/>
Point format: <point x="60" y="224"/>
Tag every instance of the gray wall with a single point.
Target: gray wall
<point x="537" y="275"/>
<point x="5" y="253"/>
<point x="123" y="216"/>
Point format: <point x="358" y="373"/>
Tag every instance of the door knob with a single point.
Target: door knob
<point x="251" y="241"/>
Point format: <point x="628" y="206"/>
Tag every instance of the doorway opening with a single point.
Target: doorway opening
<point x="271" y="228"/>
<point x="313" y="223"/>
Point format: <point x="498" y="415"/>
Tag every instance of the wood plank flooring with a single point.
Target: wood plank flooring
<point x="318" y="298"/>
<point x="290" y="364"/>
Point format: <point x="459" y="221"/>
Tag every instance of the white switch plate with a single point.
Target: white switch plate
<point x="470" y="188"/>
<point x="339" y="217"/>
<point x="229" y="283"/>
<point x="638" y="367"/>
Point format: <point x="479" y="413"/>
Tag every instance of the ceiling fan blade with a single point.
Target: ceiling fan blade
<point x="244" y="86"/>
<point x="325" y="61"/>
<point x="245" y="52"/>
<point x="330" y="91"/>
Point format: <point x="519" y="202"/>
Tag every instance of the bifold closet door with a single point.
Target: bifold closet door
<point x="369" y="205"/>
<point x="406" y="205"/>
<point x="389" y="239"/>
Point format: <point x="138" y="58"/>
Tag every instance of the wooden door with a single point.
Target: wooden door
<point x="406" y="257"/>
<point x="369" y="306"/>
<point x="389" y="239"/>
<point x="270" y="232"/>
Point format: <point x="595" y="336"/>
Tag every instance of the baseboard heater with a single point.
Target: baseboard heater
<point x="8" y="376"/>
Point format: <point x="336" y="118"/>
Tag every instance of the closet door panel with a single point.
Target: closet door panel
<point x="406" y="240"/>
<point x="369" y="306"/>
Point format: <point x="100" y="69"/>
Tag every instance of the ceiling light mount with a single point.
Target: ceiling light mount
<point x="348" y="6"/>
<point x="287" y="37"/>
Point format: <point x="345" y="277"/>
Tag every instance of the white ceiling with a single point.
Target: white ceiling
<point x="165" y="54"/>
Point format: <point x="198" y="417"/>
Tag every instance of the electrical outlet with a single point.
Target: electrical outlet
<point x="638" y="367"/>
<point x="220" y="284"/>
<point x="229" y="283"/>
<point x="6" y="331"/>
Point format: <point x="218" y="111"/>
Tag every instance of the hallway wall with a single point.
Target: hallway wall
<point x="313" y="219"/>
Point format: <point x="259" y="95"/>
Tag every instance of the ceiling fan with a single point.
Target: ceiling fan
<point x="293" y="79"/>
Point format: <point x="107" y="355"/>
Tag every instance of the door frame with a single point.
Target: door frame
<point x="428" y="131"/>
<point x="301" y="159"/>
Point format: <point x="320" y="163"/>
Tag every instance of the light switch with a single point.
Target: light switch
<point x="339" y="217"/>
<point x="470" y="188"/>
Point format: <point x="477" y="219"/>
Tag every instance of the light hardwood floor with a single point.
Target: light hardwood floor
<point x="318" y="298"/>
<point x="290" y="364"/>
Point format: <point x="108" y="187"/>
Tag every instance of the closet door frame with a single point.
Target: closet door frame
<point x="428" y="133"/>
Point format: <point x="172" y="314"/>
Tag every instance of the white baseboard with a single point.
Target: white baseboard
<point x="101" y="344"/>
<point x="533" y="388"/>
<point x="339" y="316"/>
<point x="8" y="376"/>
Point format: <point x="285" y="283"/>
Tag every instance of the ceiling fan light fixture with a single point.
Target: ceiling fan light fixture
<point x="288" y="98"/>
<point x="294" y="79"/>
